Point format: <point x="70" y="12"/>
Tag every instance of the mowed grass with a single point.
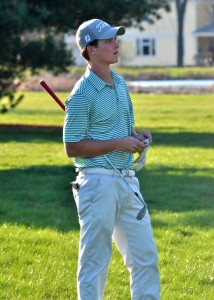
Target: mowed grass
<point x="39" y="228"/>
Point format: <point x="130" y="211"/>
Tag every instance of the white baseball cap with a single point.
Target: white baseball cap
<point x="96" y="29"/>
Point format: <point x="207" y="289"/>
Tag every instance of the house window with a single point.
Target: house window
<point x="146" y="47"/>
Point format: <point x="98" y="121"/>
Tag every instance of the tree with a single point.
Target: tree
<point x="181" y="8"/>
<point x="31" y="33"/>
<point x="19" y="51"/>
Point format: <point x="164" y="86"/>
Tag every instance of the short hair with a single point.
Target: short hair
<point x="84" y="52"/>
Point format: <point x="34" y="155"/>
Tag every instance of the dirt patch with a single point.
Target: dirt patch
<point x="172" y="90"/>
<point x="61" y="83"/>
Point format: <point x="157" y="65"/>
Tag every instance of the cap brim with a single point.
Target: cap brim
<point x="113" y="31"/>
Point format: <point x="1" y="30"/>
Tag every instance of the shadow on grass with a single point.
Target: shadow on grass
<point x="42" y="197"/>
<point x="38" y="197"/>
<point x="184" y="139"/>
<point x="27" y="133"/>
<point x="180" y="191"/>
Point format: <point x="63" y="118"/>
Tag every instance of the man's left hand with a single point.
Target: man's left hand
<point x="146" y="134"/>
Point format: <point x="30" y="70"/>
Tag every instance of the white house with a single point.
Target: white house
<point x="156" y="45"/>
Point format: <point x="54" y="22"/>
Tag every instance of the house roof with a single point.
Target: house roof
<point x="205" y="31"/>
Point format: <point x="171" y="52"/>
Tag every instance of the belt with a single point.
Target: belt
<point x="102" y="171"/>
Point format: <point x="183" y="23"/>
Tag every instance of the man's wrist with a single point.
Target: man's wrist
<point x="134" y="134"/>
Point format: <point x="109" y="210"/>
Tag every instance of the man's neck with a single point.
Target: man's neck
<point x="103" y="72"/>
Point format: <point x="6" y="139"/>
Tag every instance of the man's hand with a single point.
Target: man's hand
<point x="131" y="144"/>
<point x="146" y="134"/>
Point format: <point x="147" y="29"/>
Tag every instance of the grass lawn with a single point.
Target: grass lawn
<point x="39" y="228"/>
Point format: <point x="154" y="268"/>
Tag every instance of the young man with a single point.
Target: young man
<point x="98" y="129"/>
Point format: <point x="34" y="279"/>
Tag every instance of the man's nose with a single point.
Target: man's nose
<point x="117" y="45"/>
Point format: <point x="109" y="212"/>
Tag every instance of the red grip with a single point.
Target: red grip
<point x="50" y="92"/>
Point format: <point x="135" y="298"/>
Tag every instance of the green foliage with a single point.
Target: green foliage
<point x="20" y="50"/>
<point x="73" y="12"/>
<point x="39" y="229"/>
<point x="37" y="53"/>
<point x="31" y="33"/>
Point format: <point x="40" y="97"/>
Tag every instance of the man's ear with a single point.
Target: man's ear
<point x="91" y="49"/>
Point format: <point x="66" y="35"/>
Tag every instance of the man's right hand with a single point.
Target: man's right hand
<point x="131" y="144"/>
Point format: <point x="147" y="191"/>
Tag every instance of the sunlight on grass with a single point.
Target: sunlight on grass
<point x="197" y="158"/>
<point x="40" y="151"/>
<point x="37" y="108"/>
<point x="43" y="263"/>
<point x="175" y="113"/>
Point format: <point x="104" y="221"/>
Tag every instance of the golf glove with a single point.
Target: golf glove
<point x="141" y="159"/>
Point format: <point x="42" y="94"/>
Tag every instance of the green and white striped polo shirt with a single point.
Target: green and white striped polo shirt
<point x="97" y="110"/>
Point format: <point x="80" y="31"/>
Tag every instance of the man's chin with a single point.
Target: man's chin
<point x="115" y="61"/>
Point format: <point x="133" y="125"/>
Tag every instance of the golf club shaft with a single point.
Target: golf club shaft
<point x="54" y="96"/>
<point x="118" y="172"/>
<point x="142" y="212"/>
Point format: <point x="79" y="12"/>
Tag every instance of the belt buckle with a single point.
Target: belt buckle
<point x="125" y="173"/>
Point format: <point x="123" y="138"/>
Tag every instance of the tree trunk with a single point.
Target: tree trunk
<point x="181" y="8"/>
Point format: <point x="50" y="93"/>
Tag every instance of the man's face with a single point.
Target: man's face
<point x="106" y="51"/>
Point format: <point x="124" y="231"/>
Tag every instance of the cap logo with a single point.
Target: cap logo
<point x="87" y="38"/>
<point x="101" y="25"/>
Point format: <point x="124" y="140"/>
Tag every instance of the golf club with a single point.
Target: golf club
<point x="53" y="95"/>
<point x="142" y="212"/>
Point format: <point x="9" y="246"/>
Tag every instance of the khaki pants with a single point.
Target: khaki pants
<point x="107" y="209"/>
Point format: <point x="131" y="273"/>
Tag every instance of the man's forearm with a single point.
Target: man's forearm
<point x="91" y="148"/>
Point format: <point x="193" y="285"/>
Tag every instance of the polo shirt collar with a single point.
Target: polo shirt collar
<point x="97" y="82"/>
